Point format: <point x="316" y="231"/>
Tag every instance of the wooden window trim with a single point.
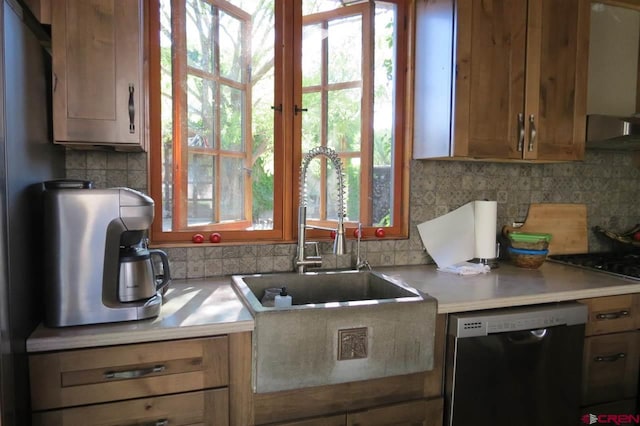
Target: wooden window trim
<point x="288" y="157"/>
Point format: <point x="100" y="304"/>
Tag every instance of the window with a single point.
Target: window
<point x="240" y="90"/>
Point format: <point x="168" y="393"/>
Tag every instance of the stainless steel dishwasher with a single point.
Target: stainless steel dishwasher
<point x="516" y="366"/>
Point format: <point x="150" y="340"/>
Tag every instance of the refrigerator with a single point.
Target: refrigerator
<point x="27" y="158"/>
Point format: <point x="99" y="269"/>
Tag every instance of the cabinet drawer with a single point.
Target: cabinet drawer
<point x="210" y="408"/>
<point x="613" y="314"/>
<point x="424" y="412"/>
<point x="87" y="376"/>
<point x="610" y="367"/>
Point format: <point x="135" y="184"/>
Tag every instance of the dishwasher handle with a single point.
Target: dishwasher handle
<point x="527" y="337"/>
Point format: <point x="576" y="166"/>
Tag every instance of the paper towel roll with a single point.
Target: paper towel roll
<point x="485" y="220"/>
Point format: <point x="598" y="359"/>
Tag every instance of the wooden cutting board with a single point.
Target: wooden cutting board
<point x="567" y="223"/>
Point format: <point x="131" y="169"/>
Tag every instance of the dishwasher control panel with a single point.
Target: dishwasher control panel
<point x="483" y="323"/>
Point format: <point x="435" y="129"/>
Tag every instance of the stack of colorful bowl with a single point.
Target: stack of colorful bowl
<point x="528" y="249"/>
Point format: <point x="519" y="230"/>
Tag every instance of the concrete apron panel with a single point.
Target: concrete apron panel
<point x="300" y="348"/>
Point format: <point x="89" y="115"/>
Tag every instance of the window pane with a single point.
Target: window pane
<point x="201" y="189"/>
<point x="232" y="58"/>
<point x="312" y="36"/>
<point x="232" y="119"/>
<point x="311" y="121"/>
<point x="315" y="6"/>
<point x="229" y="99"/>
<point x="344" y="120"/>
<point x="199" y="35"/>
<point x="232" y="189"/>
<point x="200" y="99"/>
<point x="345" y="49"/>
<point x="383" y="118"/>
<point x="352" y="181"/>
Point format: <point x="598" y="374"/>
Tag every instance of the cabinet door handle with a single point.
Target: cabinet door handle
<point x="520" y="132"/>
<point x="612" y="315"/>
<point x="610" y="358"/>
<point x="161" y="422"/>
<point x="532" y="131"/>
<point x="134" y="374"/>
<point x="132" y="110"/>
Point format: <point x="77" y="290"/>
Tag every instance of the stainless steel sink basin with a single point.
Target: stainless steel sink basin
<point x="311" y="290"/>
<point x="342" y="326"/>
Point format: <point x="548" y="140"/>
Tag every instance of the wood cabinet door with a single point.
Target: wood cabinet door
<point x="557" y="60"/>
<point x="207" y="408"/>
<point x="610" y="367"/>
<point x="97" y="61"/>
<point x="424" y="412"/>
<point x="490" y="78"/>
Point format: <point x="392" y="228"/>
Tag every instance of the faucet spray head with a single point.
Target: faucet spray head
<point x="340" y="243"/>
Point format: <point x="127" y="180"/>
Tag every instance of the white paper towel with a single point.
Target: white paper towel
<point x="463" y="234"/>
<point x="485" y="218"/>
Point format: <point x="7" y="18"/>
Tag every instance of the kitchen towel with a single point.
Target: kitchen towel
<point x="466" y="268"/>
<point x="466" y="233"/>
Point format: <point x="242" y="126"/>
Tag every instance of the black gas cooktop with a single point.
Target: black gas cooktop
<point x="625" y="264"/>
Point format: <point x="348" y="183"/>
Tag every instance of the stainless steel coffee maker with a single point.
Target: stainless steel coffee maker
<point x="98" y="266"/>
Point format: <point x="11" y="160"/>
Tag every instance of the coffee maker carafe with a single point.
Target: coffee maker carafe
<point x="90" y="232"/>
<point x="138" y="278"/>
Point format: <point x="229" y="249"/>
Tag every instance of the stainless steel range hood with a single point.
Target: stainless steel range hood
<point x="608" y="132"/>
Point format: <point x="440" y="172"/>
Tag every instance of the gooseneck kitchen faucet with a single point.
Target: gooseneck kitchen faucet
<point x="303" y="261"/>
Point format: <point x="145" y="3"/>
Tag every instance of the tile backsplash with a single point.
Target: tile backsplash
<point x="607" y="182"/>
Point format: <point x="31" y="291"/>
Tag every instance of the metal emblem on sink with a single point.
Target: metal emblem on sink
<point x="352" y="343"/>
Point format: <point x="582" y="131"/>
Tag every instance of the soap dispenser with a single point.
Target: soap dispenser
<point x="283" y="300"/>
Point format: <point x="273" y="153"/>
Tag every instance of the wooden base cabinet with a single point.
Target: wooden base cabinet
<point x="611" y="357"/>
<point x="201" y="381"/>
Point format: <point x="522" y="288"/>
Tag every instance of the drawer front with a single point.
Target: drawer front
<point x="610" y="367"/>
<point x="613" y="314"/>
<point x="210" y="408"/>
<point x="87" y="376"/>
<point x="425" y="412"/>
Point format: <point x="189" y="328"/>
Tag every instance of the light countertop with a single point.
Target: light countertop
<point x="194" y="308"/>
<point x="207" y="307"/>
<point x="509" y="285"/>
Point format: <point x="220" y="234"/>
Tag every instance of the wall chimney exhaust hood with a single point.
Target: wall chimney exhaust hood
<point x="613" y="133"/>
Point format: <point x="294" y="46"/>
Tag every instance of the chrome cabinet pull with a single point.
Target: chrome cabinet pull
<point x="612" y="315"/>
<point x="134" y="374"/>
<point x="520" y="132"/>
<point x="532" y="131"/>
<point x="610" y="358"/>
<point x="132" y="110"/>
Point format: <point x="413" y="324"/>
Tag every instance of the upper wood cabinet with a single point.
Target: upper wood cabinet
<point x="501" y="79"/>
<point x="98" y="79"/>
